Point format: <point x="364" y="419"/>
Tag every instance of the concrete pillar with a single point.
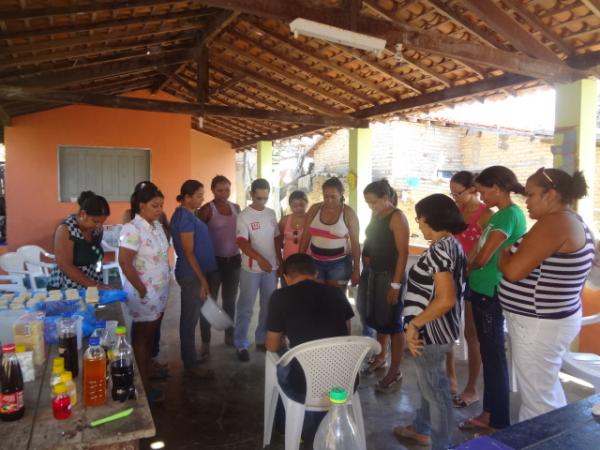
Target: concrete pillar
<point x="361" y="174"/>
<point x="264" y="169"/>
<point x="575" y="135"/>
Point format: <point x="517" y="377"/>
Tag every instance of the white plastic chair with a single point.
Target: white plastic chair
<point x="327" y="363"/>
<point x="15" y="284"/>
<point x="584" y="365"/>
<point x="107" y="267"/>
<point x="14" y="264"/>
<point x="32" y="254"/>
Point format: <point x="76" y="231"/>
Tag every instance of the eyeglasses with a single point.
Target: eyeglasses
<point x="547" y="177"/>
<point x="457" y="194"/>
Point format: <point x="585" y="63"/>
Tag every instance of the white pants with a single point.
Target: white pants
<point x="537" y="347"/>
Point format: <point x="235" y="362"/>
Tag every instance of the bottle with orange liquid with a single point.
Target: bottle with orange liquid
<point x="94" y="374"/>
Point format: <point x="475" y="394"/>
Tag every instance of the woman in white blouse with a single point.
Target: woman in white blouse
<point x="143" y="258"/>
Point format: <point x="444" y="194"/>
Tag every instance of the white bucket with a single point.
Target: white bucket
<point x="218" y="318"/>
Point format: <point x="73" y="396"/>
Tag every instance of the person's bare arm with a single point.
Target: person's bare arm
<point x="63" y="250"/>
<point x="126" y="257"/>
<point x="494" y="240"/>
<point x="279" y="239"/>
<point x="205" y="213"/>
<point x="249" y="251"/>
<point x="187" y="244"/>
<point x="305" y="240"/>
<point x="273" y="341"/>
<point x="541" y="241"/>
<point x="400" y="229"/>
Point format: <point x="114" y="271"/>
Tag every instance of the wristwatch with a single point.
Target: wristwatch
<point x="396" y="285"/>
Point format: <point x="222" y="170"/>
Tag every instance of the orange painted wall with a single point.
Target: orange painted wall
<point x="33" y="209"/>
<point x="210" y="157"/>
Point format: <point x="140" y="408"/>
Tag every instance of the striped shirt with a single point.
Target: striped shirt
<point x="445" y="255"/>
<point x="329" y="242"/>
<point x="553" y="289"/>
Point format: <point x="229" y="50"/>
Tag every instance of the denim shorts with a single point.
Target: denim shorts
<point x="339" y="269"/>
<point x="380" y="315"/>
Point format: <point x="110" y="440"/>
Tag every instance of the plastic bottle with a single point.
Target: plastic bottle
<point x="67" y="343"/>
<point x="67" y="379"/>
<point x="102" y="333"/>
<point x="94" y="374"/>
<point x="337" y="430"/>
<point x="58" y="367"/>
<point x="12" y="397"/>
<point x="61" y="403"/>
<point x="121" y="368"/>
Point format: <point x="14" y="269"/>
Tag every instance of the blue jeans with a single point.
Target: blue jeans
<point x="190" y="315"/>
<point x="339" y="269"/>
<point x="489" y="323"/>
<point x="361" y="302"/>
<point x="250" y="284"/>
<point x="435" y="416"/>
<point x="381" y="316"/>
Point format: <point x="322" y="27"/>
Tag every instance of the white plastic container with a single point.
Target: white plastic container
<point x="218" y="318"/>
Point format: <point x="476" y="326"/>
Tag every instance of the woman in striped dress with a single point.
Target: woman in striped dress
<point x="544" y="273"/>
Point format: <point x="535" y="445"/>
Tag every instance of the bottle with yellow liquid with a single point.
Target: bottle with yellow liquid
<point x="67" y="379"/>
<point x="94" y="374"/>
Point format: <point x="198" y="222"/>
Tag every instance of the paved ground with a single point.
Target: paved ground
<point x="227" y="413"/>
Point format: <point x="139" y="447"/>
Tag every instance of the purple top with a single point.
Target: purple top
<point x="222" y="231"/>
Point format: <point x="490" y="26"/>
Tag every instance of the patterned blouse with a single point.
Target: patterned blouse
<point x="151" y="262"/>
<point x="87" y="257"/>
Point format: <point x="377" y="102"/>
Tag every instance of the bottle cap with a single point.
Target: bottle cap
<point x="94" y="340"/>
<point x="57" y="370"/>
<point x="59" y="361"/>
<point x="101" y="324"/>
<point x="338" y="395"/>
<point x="20" y="348"/>
<point x="60" y="388"/>
<point x="66" y="376"/>
<point x="121" y="330"/>
<point x="8" y="348"/>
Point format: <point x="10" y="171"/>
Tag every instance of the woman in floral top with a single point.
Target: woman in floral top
<point x="144" y="261"/>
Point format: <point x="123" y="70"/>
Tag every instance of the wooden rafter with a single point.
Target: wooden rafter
<point x="277" y="135"/>
<point x="5" y="118"/>
<point x="17" y="92"/>
<point x="113" y="23"/>
<point x="506" y="26"/>
<point x="593" y="6"/>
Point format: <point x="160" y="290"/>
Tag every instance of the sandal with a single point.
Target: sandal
<point x="474" y="424"/>
<point x="460" y="402"/>
<point x="374" y="366"/>
<point x="409" y="433"/>
<point x="391" y="386"/>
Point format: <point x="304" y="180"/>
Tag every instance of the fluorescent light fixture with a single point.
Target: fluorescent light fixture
<point x="333" y="34"/>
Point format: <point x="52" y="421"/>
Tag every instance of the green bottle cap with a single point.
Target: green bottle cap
<point x="121" y="330"/>
<point x="338" y="395"/>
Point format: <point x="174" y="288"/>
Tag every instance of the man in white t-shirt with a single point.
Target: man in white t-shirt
<point x="256" y="232"/>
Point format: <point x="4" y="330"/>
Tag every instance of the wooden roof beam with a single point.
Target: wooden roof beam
<point x="304" y="68"/>
<point x="33" y="94"/>
<point x="507" y="27"/>
<point x="145" y="19"/>
<point x="538" y="25"/>
<point x="431" y="42"/>
<point x="593" y="6"/>
<point x="5" y="118"/>
<point x="277" y="135"/>
<point x="210" y="33"/>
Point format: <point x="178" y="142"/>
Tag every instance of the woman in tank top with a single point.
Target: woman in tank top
<point x="386" y="251"/>
<point x="544" y="274"/>
<point x="476" y="216"/>
<point x="220" y="215"/>
<point x="331" y="237"/>
<point x="291" y="225"/>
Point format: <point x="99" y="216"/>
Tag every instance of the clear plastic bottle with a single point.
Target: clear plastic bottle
<point x="102" y="333"/>
<point x="58" y="367"/>
<point x="67" y="343"/>
<point x="12" y="395"/>
<point x="337" y="430"/>
<point x="121" y="368"/>
<point x="61" y="404"/>
<point x="94" y="374"/>
<point x="67" y="379"/>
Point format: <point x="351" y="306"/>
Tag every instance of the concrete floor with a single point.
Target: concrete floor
<point x="227" y="413"/>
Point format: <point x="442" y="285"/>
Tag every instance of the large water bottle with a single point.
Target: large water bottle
<point x="337" y="430"/>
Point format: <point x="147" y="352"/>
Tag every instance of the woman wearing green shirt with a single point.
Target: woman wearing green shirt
<point x="506" y="226"/>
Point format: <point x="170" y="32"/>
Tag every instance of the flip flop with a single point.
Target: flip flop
<point x="408" y="433"/>
<point x="391" y="386"/>
<point x="459" y="402"/>
<point x="374" y="367"/>
<point x="474" y="424"/>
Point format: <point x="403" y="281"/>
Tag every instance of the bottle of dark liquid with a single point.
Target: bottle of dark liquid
<point x="12" y="398"/>
<point x="121" y="368"/>
<point x="67" y="344"/>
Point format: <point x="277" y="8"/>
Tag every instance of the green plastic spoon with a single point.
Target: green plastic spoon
<point x="112" y="417"/>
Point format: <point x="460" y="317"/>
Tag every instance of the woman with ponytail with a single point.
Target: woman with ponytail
<point x="144" y="261"/>
<point x="544" y="273"/>
<point x="505" y="227"/>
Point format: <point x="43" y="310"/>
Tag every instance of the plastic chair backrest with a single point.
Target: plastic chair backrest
<point x="329" y="363"/>
<point x="31" y="253"/>
<point x="12" y="262"/>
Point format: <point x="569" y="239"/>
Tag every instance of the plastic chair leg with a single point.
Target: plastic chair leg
<point x="358" y="419"/>
<point x="294" y="420"/>
<point x="271" y="397"/>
